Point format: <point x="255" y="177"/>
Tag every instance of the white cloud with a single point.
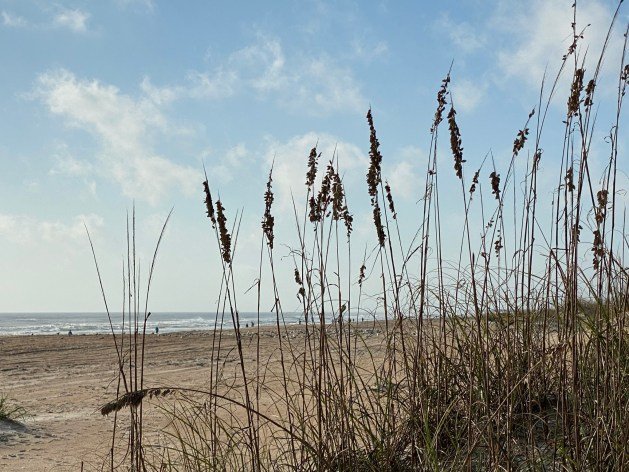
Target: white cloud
<point x="68" y="165"/>
<point x="200" y="85"/>
<point x="91" y="187"/>
<point x="237" y="155"/>
<point x="325" y="88"/>
<point x="31" y="185"/>
<point x="461" y="34"/>
<point x="367" y="51"/>
<point x="467" y="94"/>
<point x="403" y="175"/>
<point x="403" y="180"/>
<point x="224" y="167"/>
<point x="13" y="21"/>
<point x="542" y="33"/>
<point x="262" y="65"/>
<point x="147" y="4"/>
<point x="159" y="95"/>
<point x="312" y="85"/>
<point x="22" y="229"/>
<point x="75" y="20"/>
<point x="315" y="85"/>
<point x="219" y="84"/>
<point x="123" y="128"/>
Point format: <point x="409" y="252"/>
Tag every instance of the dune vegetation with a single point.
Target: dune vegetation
<point x="511" y="354"/>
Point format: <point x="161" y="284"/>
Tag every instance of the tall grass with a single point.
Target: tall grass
<point x="513" y="355"/>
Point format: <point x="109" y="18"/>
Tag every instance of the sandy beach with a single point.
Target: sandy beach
<point x="62" y="381"/>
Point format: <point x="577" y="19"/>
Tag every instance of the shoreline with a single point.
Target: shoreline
<point x="167" y="332"/>
<point x="41" y="324"/>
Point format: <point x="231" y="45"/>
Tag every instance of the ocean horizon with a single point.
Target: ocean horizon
<point x="15" y="324"/>
<point x="52" y="323"/>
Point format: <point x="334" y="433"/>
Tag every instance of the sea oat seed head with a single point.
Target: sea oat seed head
<point x="575" y="93"/>
<point x="268" y="221"/>
<point x="441" y="103"/>
<point x="224" y="234"/>
<point x="313" y="159"/>
<point x="455" y="143"/>
<point x="387" y="189"/>
<point x="375" y="159"/>
<point x="208" y="203"/>
<point x="495" y="184"/>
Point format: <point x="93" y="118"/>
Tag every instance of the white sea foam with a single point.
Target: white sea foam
<point x="98" y="323"/>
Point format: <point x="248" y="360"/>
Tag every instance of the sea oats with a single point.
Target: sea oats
<point x="223" y="232"/>
<point x="495" y="184"/>
<point x="268" y="220"/>
<point x="209" y="207"/>
<point x="575" y="94"/>
<point x="441" y="103"/>
<point x="455" y="143"/>
<point x="387" y="189"/>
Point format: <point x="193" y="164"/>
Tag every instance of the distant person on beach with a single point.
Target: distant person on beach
<point x="70" y="333"/>
<point x="156" y="329"/>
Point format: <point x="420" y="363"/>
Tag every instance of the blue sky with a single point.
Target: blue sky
<point x="106" y="103"/>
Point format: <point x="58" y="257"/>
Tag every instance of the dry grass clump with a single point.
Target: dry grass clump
<point x="513" y="357"/>
<point x="10" y="410"/>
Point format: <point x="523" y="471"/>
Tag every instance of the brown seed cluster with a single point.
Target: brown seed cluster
<point x="536" y="158"/>
<point x="339" y="203"/>
<point x="455" y="143"/>
<point x="377" y="219"/>
<point x="375" y="160"/>
<point x="520" y="140"/>
<point x="498" y="245"/>
<point x="208" y="203"/>
<point x="589" y="94"/>
<point x="313" y="161"/>
<point x="441" y="103"/>
<point x="575" y="93"/>
<point x="598" y="248"/>
<point x="474" y="182"/>
<point x="387" y="189"/>
<point x="361" y="275"/>
<point x="131" y="399"/>
<point x="573" y="46"/>
<point x="225" y="237"/>
<point x="495" y="184"/>
<point x="268" y="220"/>
<point x="374" y="178"/>
<point x="319" y="205"/>
<point x="569" y="179"/>
<point x="601" y="210"/>
<point x="332" y="192"/>
<point x="302" y="291"/>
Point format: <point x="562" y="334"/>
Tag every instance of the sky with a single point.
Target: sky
<point x="114" y="104"/>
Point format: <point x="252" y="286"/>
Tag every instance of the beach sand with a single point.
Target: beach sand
<point x="62" y="381"/>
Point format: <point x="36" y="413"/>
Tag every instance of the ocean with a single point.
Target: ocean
<point x="98" y="323"/>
